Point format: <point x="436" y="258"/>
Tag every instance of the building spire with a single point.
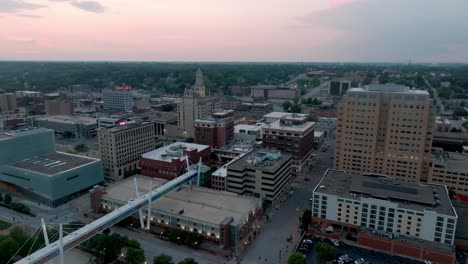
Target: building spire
<point x="199" y="87"/>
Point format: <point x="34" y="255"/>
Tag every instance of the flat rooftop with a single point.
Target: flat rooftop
<point x="69" y="119"/>
<point x="199" y="203"/>
<point x="222" y="171"/>
<point x="452" y="161"/>
<point x="283" y="114"/>
<point x="295" y="128"/>
<point x="22" y="132"/>
<point x="118" y="128"/>
<point x="174" y="150"/>
<point x="265" y="160"/>
<point x="256" y="127"/>
<point x="419" y="197"/>
<point x="53" y="163"/>
<point x="388" y="88"/>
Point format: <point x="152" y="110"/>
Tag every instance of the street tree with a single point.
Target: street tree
<point x="297" y="258"/>
<point x="326" y="251"/>
<point x="286" y="105"/>
<point x="188" y="261"/>
<point x="134" y="256"/>
<point x="163" y="259"/>
<point x="8" y="199"/>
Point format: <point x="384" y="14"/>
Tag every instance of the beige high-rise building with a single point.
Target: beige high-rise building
<point x="59" y="107"/>
<point x="7" y="102"/>
<point x="195" y="104"/>
<point x="121" y="147"/>
<point x="385" y="129"/>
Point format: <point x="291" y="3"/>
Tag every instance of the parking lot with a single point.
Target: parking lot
<point x="354" y="253"/>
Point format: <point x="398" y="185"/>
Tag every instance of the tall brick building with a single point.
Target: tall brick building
<point x="385" y="129"/>
<point x="216" y="130"/>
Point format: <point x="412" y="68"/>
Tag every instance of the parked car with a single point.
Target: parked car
<point x="359" y="261"/>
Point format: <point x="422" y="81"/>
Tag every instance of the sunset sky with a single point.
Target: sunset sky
<point x="235" y="30"/>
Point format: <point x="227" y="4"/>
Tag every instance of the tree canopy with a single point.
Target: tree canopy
<point x="163" y="259"/>
<point x="297" y="258"/>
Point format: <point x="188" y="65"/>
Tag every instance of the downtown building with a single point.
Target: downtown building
<point x="215" y="130"/>
<point x="30" y="165"/>
<point x="194" y="105"/>
<point x="292" y="134"/>
<point x="259" y="173"/>
<point x="7" y="102"/>
<point x="59" y="107"/>
<point x="387" y="214"/>
<point x="225" y="218"/>
<point x="385" y="129"/>
<point x="118" y="99"/>
<point x="121" y="147"/>
<point x="170" y="161"/>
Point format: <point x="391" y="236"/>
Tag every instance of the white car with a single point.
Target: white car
<point x="359" y="261"/>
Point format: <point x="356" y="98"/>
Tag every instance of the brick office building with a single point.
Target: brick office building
<point x="291" y="134"/>
<point x="169" y="162"/>
<point x="216" y="130"/>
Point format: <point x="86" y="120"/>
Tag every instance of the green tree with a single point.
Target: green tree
<point x="167" y="108"/>
<point x="459" y="111"/>
<point x="67" y="134"/>
<point x="188" y="261"/>
<point x="163" y="259"/>
<point x="189" y="140"/>
<point x="1" y="197"/>
<point x="133" y="243"/>
<point x="8" y="199"/>
<point x="8" y="248"/>
<point x="295" y="108"/>
<point x="306" y="219"/>
<point x="326" y="251"/>
<point x="286" y="105"/>
<point x="297" y="258"/>
<point x="134" y="256"/>
<point x="315" y="82"/>
<point x="81" y="148"/>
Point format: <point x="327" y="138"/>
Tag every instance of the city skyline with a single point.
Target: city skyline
<point x="297" y="31"/>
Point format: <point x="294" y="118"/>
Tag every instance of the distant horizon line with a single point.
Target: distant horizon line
<point x="235" y="62"/>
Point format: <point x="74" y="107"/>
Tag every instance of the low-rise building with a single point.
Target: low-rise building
<point x="75" y="126"/>
<point x="251" y="133"/>
<point x="255" y="109"/>
<point x="275" y="116"/>
<point x="169" y="162"/>
<point x="30" y="164"/>
<point x="449" y="169"/>
<point x="215" y="130"/>
<point x="327" y="125"/>
<point x="223" y="217"/>
<point x="319" y="139"/>
<point x="218" y="177"/>
<point x="274" y="92"/>
<point x="377" y="208"/>
<point x="121" y="147"/>
<point x="59" y="107"/>
<point x="443" y="124"/>
<point x="260" y="173"/>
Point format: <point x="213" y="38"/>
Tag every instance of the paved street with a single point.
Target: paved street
<point x="284" y="221"/>
<point x="439" y="103"/>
